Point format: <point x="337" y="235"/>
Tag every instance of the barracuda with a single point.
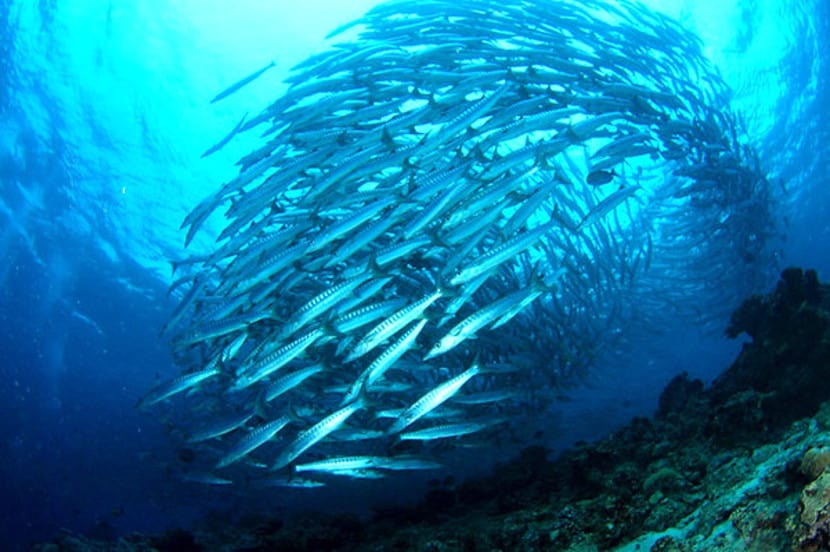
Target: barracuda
<point x="220" y="428"/>
<point x="448" y="431"/>
<point x="178" y="385"/>
<point x="391" y="325"/>
<point x="242" y="82"/>
<point x="253" y="441"/>
<point x="311" y="436"/>
<point x="276" y="360"/>
<point x="420" y="175"/>
<point x="433" y="399"/>
<point x="349" y="463"/>
<point x="384" y="361"/>
<point x="222" y="327"/>
<point x="357" y="318"/>
<point x="468" y="327"/>
<point x="347" y="224"/>
<point x="290" y="381"/>
<point x="471" y="113"/>
<point x="498" y="255"/>
<point x="321" y="303"/>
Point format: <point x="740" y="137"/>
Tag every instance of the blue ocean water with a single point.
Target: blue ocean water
<point x="104" y="113"/>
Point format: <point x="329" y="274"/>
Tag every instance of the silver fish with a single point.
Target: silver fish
<point x="433" y="399"/>
<point x="253" y="440"/>
<point x="241" y="83"/>
<point x="309" y="437"/>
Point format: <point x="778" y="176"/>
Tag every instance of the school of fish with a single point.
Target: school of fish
<point x="449" y="217"/>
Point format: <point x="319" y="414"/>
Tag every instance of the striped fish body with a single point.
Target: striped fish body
<point x="311" y="436"/>
<point x="433" y="399"/>
<point x="177" y="385"/>
<point x="253" y="440"/>
<point x="276" y="360"/>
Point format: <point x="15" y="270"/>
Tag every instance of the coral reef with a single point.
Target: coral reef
<point x="741" y="465"/>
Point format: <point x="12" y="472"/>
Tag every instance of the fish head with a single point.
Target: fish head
<point x="445" y="344"/>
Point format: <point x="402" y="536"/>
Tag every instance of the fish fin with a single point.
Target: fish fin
<point x="407" y="164"/>
<point x="330" y="330"/>
<point x="261" y="406"/>
<point x="402" y="192"/>
<point x="374" y="267"/>
<point x="281" y="320"/>
<point x="341" y="346"/>
<point x="418" y="93"/>
<point x="564" y="220"/>
<point x="294" y="415"/>
<point x="387" y="139"/>
<point x="435" y="238"/>
<point x="479" y="154"/>
<point x="496" y="369"/>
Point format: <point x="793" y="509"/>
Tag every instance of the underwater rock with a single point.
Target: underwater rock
<point x="814" y="534"/>
<point x="815" y="461"/>
<point x="665" y="480"/>
<point x="70" y="542"/>
<point x="766" y="315"/>
<point x="822" y="417"/>
<point x="177" y="540"/>
<point x="677" y="394"/>
<point x="784" y="369"/>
